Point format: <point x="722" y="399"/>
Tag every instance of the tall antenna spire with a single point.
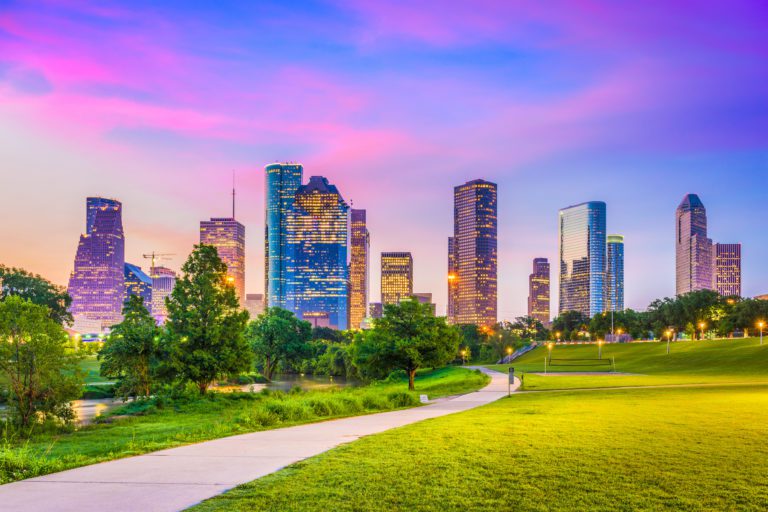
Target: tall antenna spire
<point x="233" y="194"/>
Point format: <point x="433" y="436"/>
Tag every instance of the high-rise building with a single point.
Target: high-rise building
<point x="538" y="291"/>
<point x="426" y="298"/>
<point x="727" y="272"/>
<point x="138" y="283"/>
<point x="254" y="304"/>
<point x="614" y="273"/>
<point x="282" y="182"/>
<point x="474" y="254"/>
<point x="453" y="281"/>
<point x="316" y="277"/>
<point x="582" y="258"/>
<point x="396" y="277"/>
<point x="163" y="281"/>
<point x="228" y="237"/>
<point x="358" y="268"/>
<point x="97" y="283"/>
<point x="693" y="250"/>
<point x="375" y="310"/>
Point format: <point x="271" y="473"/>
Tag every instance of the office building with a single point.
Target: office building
<point x="614" y="273"/>
<point x="453" y="281"/>
<point x="138" y="283"/>
<point x="228" y="237"/>
<point x="693" y="250"/>
<point x="254" y="304"/>
<point x="539" y="291"/>
<point x="582" y="258"/>
<point x="396" y="276"/>
<point x="426" y="298"/>
<point x="358" y="268"/>
<point x="727" y="271"/>
<point x="317" y="275"/>
<point x="97" y="283"/>
<point x="163" y="281"/>
<point x="375" y="310"/>
<point x="475" y="254"/>
<point x="282" y="182"/>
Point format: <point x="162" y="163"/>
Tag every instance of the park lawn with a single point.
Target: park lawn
<point x="91" y="368"/>
<point x="640" y="449"/>
<point x="689" y="362"/>
<point x="217" y="416"/>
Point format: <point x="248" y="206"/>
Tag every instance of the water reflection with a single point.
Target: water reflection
<point x="286" y="382"/>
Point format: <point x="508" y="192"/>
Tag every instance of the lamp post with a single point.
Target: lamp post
<point x="669" y="338"/>
<point x="463" y="356"/>
<point x="760" y="326"/>
<point x="549" y="346"/>
<point x="599" y="349"/>
<point x="509" y="354"/>
<point x="702" y="325"/>
<point x="557" y="336"/>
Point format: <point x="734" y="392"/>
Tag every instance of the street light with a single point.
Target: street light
<point x="509" y="353"/>
<point x="669" y="337"/>
<point x="702" y="325"/>
<point x="760" y="326"/>
<point x="599" y="349"/>
<point x="463" y="356"/>
<point x="549" y="346"/>
<point x="557" y="336"/>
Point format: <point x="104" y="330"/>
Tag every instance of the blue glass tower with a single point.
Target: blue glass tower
<point x="614" y="274"/>
<point x="282" y="182"/>
<point x="582" y="258"/>
<point x="317" y="274"/>
<point x="138" y="283"/>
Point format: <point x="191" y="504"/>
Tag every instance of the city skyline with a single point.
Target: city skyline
<point x="563" y="117"/>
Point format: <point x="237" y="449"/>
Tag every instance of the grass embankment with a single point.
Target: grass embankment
<point x="689" y="362"/>
<point x="649" y="449"/>
<point x="156" y="425"/>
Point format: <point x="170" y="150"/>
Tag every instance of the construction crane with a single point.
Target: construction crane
<point x="157" y="256"/>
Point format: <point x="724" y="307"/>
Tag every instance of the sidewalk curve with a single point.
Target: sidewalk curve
<point x="177" y="478"/>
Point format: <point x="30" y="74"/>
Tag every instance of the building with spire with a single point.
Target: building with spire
<point x="360" y="246"/>
<point x="97" y="283"/>
<point x="539" y="291"/>
<point x="693" y="250"/>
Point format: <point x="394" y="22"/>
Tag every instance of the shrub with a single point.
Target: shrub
<point x="402" y="399"/>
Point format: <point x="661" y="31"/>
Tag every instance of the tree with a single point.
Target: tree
<point x="130" y="354"/>
<point x="277" y="336"/>
<point x="569" y="322"/>
<point x="407" y="337"/>
<point x="205" y="324"/>
<point x="37" y="363"/>
<point x="15" y="281"/>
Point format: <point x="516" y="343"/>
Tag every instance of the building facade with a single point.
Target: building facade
<point x="727" y="272"/>
<point x="472" y="257"/>
<point x="317" y="274"/>
<point x="254" y="304"/>
<point x="228" y="237"/>
<point x="396" y="277"/>
<point x="163" y="281"/>
<point x="358" y="268"/>
<point x="539" y="291"/>
<point x="97" y="283"/>
<point x="693" y="250"/>
<point x="582" y="258"/>
<point x="614" y="273"/>
<point x="138" y="283"/>
<point x="426" y="298"/>
<point x="282" y="182"/>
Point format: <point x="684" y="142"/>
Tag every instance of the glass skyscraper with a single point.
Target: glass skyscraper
<point x="727" y="258"/>
<point x="614" y="274"/>
<point x="228" y="237"/>
<point x="472" y="256"/>
<point x="282" y="182"/>
<point x="539" y="291"/>
<point x="316" y="273"/>
<point x="693" y="250"/>
<point x="358" y="268"/>
<point x="163" y="281"/>
<point x="396" y="277"/>
<point x="138" y="283"/>
<point x="97" y="283"/>
<point x="582" y="258"/>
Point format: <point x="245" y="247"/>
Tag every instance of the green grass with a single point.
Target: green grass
<point x="220" y="415"/>
<point x="689" y="362"/>
<point x="92" y="369"/>
<point x="640" y="449"/>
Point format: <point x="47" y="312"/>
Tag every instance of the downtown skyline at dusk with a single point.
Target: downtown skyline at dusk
<point x="395" y="108"/>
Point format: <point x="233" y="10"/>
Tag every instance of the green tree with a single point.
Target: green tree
<point x="277" y="336"/>
<point x="37" y="363"/>
<point x="407" y="337"/>
<point x="40" y="291"/>
<point x="205" y="324"/>
<point x="569" y="322"/>
<point x="130" y="353"/>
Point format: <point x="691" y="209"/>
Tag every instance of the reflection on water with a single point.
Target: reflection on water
<point x="86" y="410"/>
<point x="288" y="381"/>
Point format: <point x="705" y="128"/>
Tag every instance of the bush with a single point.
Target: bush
<point x="288" y="410"/>
<point x="402" y="399"/>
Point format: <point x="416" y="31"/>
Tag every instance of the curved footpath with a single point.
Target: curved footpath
<point x="174" y="479"/>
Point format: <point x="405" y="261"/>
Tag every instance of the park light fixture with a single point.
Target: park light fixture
<point x="702" y="325"/>
<point x="669" y="338"/>
<point x="760" y="325"/>
<point x="599" y="349"/>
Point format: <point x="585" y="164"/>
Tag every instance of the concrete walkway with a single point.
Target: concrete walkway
<point x="174" y="479"/>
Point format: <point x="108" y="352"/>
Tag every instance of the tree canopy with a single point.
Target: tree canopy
<point x="277" y="336"/>
<point x="40" y="291"/>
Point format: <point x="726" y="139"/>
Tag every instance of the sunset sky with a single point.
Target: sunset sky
<point x="632" y="103"/>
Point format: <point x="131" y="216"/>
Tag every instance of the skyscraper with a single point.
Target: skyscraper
<point x="316" y="273"/>
<point x="163" y="281"/>
<point x="693" y="250"/>
<point x="453" y="281"/>
<point x="396" y="276"/>
<point x="614" y="274"/>
<point x="358" y="268"/>
<point x="727" y="258"/>
<point x="474" y="252"/>
<point x="138" y="283"/>
<point x="282" y="182"/>
<point x="254" y="304"/>
<point x="582" y="258"/>
<point x="228" y="237"/>
<point x="97" y="283"/>
<point x="538" y="291"/>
